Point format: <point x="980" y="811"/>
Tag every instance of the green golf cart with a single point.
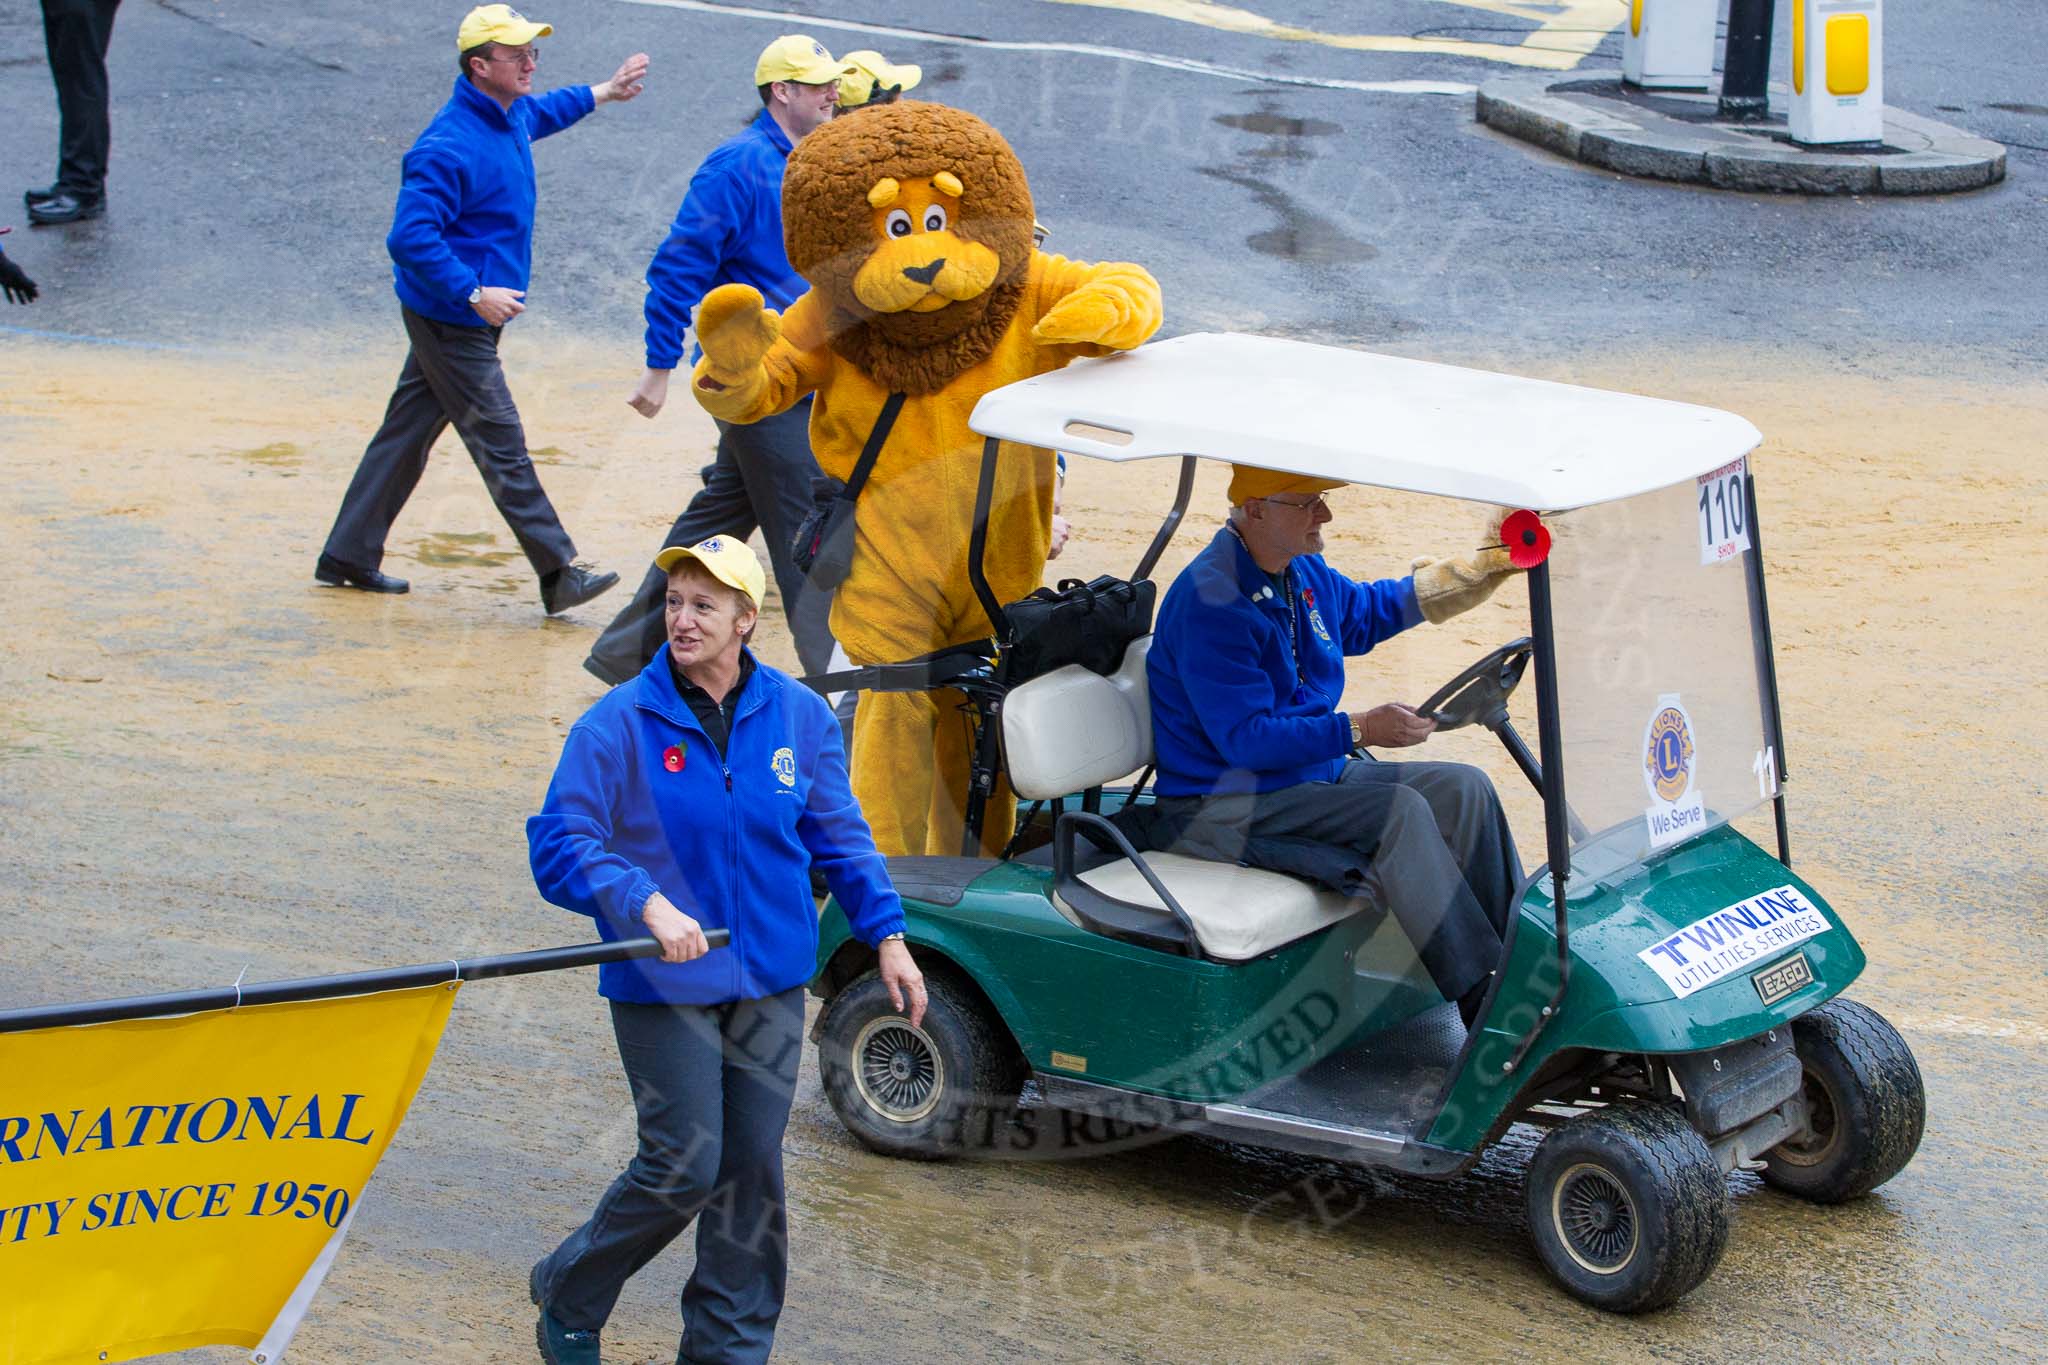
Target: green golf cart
<point x="1669" y="1005"/>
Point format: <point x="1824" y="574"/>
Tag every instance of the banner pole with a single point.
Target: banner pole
<point x="332" y="987"/>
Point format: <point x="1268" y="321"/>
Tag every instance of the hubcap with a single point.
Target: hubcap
<point x="1823" y="1127"/>
<point x="897" y="1070"/>
<point x="1595" y="1219"/>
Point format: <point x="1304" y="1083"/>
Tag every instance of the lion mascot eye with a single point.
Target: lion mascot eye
<point x="897" y="224"/>
<point x="935" y="218"/>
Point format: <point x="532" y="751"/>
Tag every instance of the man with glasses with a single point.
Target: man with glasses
<point x="461" y="246"/>
<point x="729" y="231"/>
<point x="1257" y="765"/>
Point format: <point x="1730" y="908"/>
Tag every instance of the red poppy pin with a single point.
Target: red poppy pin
<point x="1527" y="539"/>
<point x="1308" y="597"/>
<point x="672" y="759"/>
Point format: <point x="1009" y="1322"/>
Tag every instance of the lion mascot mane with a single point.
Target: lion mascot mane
<point x="913" y="225"/>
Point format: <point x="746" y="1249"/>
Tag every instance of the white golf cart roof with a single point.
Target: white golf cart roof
<point x="1368" y="419"/>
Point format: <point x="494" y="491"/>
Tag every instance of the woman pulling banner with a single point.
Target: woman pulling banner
<point x="698" y="796"/>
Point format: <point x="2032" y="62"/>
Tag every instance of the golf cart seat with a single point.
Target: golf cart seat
<point x="1073" y="729"/>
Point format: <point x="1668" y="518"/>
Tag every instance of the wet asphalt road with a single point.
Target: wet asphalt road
<point x="305" y="763"/>
<point x="256" y="154"/>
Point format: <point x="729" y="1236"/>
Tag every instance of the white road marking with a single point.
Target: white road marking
<point x="1964" y="1026"/>
<point x="1564" y="32"/>
<point x="1232" y="73"/>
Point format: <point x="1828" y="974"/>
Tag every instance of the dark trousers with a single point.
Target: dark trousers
<point x="762" y="477"/>
<point x="1439" y="853"/>
<point x="712" y="1087"/>
<point x="76" y="34"/>
<point x="451" y="374"/>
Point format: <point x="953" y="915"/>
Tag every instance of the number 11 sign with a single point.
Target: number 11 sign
<point x="1723" y="513"/>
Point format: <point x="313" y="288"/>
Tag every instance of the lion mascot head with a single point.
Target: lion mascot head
<point x="914" y="222"/>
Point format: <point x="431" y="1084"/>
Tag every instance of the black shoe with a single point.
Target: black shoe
<point x="572" y="587"/>
<point x="558" y="1345"/>
<point x="30" y="198"/>
<point x="64" y="207"/>
<point x="336" y="574"/>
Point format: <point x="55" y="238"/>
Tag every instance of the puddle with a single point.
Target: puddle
<point x="463" y="549"/>
<point x="554" y="455"/>
<point x="277" y="455"/>
<point x="1269" y="124"/>
<point x="1300" y="235"/>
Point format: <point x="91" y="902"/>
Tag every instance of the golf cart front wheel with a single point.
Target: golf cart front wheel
<point x="1865" y="1105"/>
<point x="944" y="1086"/>
<point x="1628" y="1207"/>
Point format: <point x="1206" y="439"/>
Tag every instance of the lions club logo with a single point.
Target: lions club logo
<point x="784" y="764"/>
<point x="1667" y="751"/>
<point x="712" y="546"/>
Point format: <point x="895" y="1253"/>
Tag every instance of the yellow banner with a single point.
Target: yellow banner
<point x="182" y="1182"/>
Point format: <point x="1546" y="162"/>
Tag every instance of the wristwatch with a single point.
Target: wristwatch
<point x="1357" y="734"/>
<point x="896" y="937"/>
<point x="476" y="296"/>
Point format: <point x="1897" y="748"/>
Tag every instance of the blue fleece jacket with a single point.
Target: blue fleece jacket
<point x="1246" y="683"/>
<point x="728" y="231"/>
<point x="730" y="841"/>
<point x="466" y="198"/>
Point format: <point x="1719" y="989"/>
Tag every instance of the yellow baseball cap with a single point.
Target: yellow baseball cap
<point x="1247" y="483"/>
<point x="796" y="57"/>
<point x="727" y="558"/>
<point x="497" y="24"/>
<point x="868" y="71"/>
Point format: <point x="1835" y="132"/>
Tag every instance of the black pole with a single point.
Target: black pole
<point x="334" y="987"/>
<point x="1181" y="494"/>
<point x="1767" y="666"/>
<point x="1746" y="65"/>
<point x="1556" y="814"/>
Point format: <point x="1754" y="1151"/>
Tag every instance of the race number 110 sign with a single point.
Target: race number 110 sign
<point x="1723" y="513"/>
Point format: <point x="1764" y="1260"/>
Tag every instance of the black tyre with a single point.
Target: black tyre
<point x="1864" y="1098"/>
<point x="1628" y="1207"/>
<point x="944" y="1088"/>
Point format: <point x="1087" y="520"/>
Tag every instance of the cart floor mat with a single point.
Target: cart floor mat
<point x="1388" y="1083"/>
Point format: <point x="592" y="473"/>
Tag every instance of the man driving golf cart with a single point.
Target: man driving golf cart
<point x="1257" y="765"/>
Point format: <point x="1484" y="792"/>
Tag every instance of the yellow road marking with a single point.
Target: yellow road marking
<point x="1563" y="36"/>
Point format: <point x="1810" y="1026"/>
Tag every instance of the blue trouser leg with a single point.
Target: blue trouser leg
<point x="452" y="376"/>
<point x="1439" y="854"/>
<point x="711" y="1089"/>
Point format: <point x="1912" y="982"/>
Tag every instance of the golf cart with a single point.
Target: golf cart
<point x="1668" y="1006"/>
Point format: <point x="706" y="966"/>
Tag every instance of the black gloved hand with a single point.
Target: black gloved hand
<point x="19" y="287"/>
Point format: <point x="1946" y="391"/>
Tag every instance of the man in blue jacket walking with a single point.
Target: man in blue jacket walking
<point x="729" y="231"/>
<point x="1246" y="671"/>
<point x="461" y="247"/>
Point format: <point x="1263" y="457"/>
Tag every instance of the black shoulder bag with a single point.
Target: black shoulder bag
<point x="823" y="548"/>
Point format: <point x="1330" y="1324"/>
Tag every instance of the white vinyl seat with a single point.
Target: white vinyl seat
<point x="1072" y="729"/>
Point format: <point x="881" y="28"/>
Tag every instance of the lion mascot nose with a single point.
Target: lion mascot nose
<point x="925" y="274"/>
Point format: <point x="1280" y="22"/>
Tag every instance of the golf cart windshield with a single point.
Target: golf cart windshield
<point x="1661" y="706"/>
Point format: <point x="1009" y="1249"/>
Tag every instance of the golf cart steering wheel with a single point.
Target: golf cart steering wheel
<point x="1480" y="693"/>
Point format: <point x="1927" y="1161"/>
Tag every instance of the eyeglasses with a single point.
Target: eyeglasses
<point x="1318" y="503"/>
<point x="518" y="56"/>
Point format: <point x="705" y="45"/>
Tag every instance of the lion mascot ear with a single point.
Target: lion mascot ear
<point x="913" y="225"/>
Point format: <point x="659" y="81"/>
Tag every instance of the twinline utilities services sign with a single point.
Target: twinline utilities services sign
<point x="1745" y="934"/>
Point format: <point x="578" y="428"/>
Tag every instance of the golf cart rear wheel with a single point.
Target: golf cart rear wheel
<point x="1864" y="1100"/>
<point x="1628" y="1208"/>
<point x="943" y="1087"/>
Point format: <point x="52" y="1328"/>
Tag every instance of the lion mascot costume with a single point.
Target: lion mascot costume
<point x="913" y="225"/>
